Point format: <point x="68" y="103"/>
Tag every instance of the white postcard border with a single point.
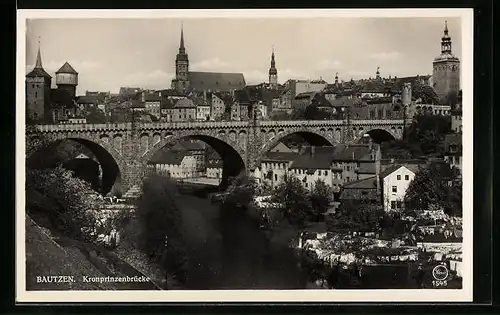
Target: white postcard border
<point x="398" y="295"/>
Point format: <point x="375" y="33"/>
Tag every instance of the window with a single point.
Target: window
<point x="398" y="177"/>
<point x="305" y="185"/>
<point x="325" y="173"/>
<point x="393" y="204"/>
<point x="399" y="204"/>
<point x="394" y="189"/>
<point x="275" y="176"/>
<point x="407" y="177"/>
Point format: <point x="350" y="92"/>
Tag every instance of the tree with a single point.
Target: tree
<point x="297" y="206"/>
<point x="312" y="112"/>
<point x="437" y="185"/>
<point x="425" y="92"/>
<point x="240" y="192"/>
<point x="358" y="216"/>
<point x="320" y="198"/>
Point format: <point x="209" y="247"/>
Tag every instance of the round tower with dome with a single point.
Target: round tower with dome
<point x="67" y="79"/>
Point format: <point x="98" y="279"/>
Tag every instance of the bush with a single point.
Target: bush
<point x="78" y="206"/>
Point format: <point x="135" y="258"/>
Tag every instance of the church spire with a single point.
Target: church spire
<point x="446" y="40"/>
<point x="38" y="64"/>
<point x="182" y="50"/>
<point x="273" y="72"/>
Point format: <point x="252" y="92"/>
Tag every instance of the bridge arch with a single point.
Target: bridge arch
<point x="312" y="137"/>
<point x="231" y="152"/>
<point x="379" y="135"/>
<point x="107" y="157"/>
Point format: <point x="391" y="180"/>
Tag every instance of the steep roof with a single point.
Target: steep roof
<point x="168" y="157"/>
<point x="216" y="81"/>
<point x="184" y="103"/>
<point x="321" y="159"/>
<point x="366" y="183"/>
<point x="392" y="169"/>
<point x="225" y="97"/>
<point x="38" y="72"/>
<point x="367" y="168"/>
<point x="279" y="156"/>
<point x="281" y="147"/>
<point x="87" y="100"/>
<point x="152" y="97"/>
<point x="352" y="152"/>
<point x="66" y="68"/>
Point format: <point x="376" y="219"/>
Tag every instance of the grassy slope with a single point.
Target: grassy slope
<point x="48" y="255"/>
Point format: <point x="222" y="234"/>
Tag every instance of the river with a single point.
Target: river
<point x="234" y="254"/>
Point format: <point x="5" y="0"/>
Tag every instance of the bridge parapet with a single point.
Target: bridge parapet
<point x="83" y="127"/>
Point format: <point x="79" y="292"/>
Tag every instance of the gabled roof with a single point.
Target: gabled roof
<point x="216" y="81"/>
<point x="281" y="147"/>
<point x="367" y="168"/>
<point x="136" y="104"/>
<point x="391" y="169"/>
<point x="38" y="72"/>
<point x="168" y="157"/>
<point x="152" y="97"/>
<point x="305" y="95"/>
<point x="225" y="97"/>
<point x="66" y="68"/>
<point x="366" y="183"/>
<point x="184" y="103"/>
<point x="321" y="159"/>
<point x="87" y="100"/>
<point x="279" y="156"/>
<point x="352" y="152"/>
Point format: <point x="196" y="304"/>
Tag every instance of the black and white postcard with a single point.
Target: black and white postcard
<point x="244" y="155"/>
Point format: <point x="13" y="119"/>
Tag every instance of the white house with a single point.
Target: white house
<point x="203" y="112"/>
<point x="174" y="164"/>
<point x="394" y="183"/>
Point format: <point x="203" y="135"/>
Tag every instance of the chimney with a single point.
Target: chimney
<point x="143" y="98"/>
<point x="205" y="95"/>
<point x="312" y="151"/>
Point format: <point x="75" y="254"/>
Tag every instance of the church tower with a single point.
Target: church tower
<point x="446" y="68"/>
<point x="273" y="73"/>
<point x="181" y="81"/>
<point x="38" y="83"/>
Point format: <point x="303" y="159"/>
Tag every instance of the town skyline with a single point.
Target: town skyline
<point x="106" y="60"/>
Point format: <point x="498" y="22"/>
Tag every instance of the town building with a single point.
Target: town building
<point x="152" y="104"/>
<point x="174" y="164"/>
<point x="446" y="68"/>
<point x="453" y="150"/>
<point x="186" y="80"/>
<point x="354" y="162"/>
<point x="312" y="164"/>
<point x="203" y="111"/>
<point x="275" y="164"/>
<point x="292" y="88"/>
<point x="456" y="120"/>
<point x="394" y="181"/>
<point x="214" y="165"/>
<point x="184" y="110"/>
<point x="362" y="190"/>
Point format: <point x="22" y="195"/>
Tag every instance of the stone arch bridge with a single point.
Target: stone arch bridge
<point x="123" y="150"/>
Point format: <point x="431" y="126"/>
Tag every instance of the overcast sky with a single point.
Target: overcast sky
<point x="110" y="53"/>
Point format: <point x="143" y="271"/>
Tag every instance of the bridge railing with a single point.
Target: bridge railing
<point x="212" y="125"/>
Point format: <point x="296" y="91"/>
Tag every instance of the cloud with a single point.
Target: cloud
<point x="213" y="64"/>
<point x="328" y="64"/>
<point x="385" y="56"/>
<point x="255" y="76"/>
